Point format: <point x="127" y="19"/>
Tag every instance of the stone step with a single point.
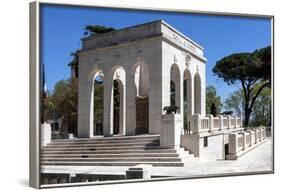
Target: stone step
<point x="102" y="145"/>
<point x="94" y="148"/>
<point x="104" y="142"/>
<point x="170" y="164"/>
<point x="112" y="151"/>
<point x="141" y="137"/>
<point x="62" y="151"/>
<point x="133" y="159"/>
<point x="137" y="155"/>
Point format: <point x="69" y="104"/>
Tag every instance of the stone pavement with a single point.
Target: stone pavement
<point x="258" y="159"/>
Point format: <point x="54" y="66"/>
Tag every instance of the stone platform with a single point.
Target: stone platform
<point x="257" y="160"/>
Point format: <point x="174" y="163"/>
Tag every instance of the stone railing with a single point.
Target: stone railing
<point x="211" y="123"/>
<point x="242" y="141"/>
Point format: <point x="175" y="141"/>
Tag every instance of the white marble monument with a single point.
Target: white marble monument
<point x="145" y="60"/>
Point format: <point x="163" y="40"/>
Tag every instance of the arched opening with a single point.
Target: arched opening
<point x="96" y="119"/>
<point x="142" y="98"/>
<point x="187" y="95"/>
<point x="197" y="94"/>
<point x="175" y="86"/>
<point x="118" y="101"/>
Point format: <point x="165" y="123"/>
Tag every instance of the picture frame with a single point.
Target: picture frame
<point x="36" y="90"/>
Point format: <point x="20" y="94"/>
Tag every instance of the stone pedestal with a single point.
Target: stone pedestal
<point x="141" y="171"/>
<point x="170" y="131"/>
<point x="46" y="134"/>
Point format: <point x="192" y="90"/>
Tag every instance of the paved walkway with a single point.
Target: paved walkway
<point x="256" y="160"/>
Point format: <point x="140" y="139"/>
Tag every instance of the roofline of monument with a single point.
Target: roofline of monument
<point x="200" y="57"/>
<point x="162" y="21"/>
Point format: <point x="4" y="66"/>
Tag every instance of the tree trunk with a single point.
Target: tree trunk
<point x="247" y="116"/>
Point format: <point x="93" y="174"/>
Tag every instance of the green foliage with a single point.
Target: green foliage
<point x="97" y="29"/>
<point x="235" y="103"/>
<point x="264" y="55"/>
<point x="63" y="102"/>
<point x="98" y="104"/>
<point x="213" y="102"/>
<point x="261" y="114"/>
<point x="248" y="69"/>
<point x="262" y="109"/>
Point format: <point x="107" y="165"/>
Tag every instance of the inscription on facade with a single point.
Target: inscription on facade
<point x="181" y="42"/>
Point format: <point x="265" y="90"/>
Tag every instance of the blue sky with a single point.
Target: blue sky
<point x="62" y="28"/>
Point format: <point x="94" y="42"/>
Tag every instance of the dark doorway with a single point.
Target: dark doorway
<point x="141" y="115"/>
<point x="98" y="108"/>
<point x="116" y="107"/>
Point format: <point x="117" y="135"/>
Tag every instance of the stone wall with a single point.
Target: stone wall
<point x="214" y="149"/>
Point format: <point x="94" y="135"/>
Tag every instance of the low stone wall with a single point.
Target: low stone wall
<point x="242" y="142"/>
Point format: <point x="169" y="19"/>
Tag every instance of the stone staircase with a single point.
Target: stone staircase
<point x="112" y="151"/>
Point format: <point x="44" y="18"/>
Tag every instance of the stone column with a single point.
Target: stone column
<point x="181" y="98"/>
<point x="189" y="98"/>
<point x="130" y="103"/>
<point x="108" y="107"/>
<point x="85" y="124"/>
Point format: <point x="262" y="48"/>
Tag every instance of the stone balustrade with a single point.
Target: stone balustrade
<point x="242" y="142"/>
<point x="211" y="123"/>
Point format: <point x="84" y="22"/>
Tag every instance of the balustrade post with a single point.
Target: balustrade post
<point x="235" y="122"/>
<point x="196" y="123"/>
<point x="259" y="135"/>
<point x="233" y="143"/>
<point x="251" y="137"/>
<point x="211" y="122"/>
<point x="220" y="122"/>
<point x="229" y="122"/>
<point x="256" y="136"/>
<point x="264" y="132"/>
<point x="244" y="140"/>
